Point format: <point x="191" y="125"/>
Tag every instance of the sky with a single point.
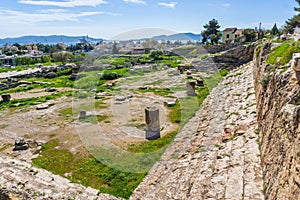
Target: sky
<point x="114" y="18"/>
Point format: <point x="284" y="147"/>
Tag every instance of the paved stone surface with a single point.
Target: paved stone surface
<point x="19" y="180"/>
<point x="216" y="155"/>
<point x="17" y="73"/>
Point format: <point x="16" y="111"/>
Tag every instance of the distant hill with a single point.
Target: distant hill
<point x="179" y="37"/>
<point x="52" y="39"/>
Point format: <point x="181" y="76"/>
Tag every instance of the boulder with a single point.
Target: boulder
<point x="21" y="144"/>
<point x="6" y="97"/>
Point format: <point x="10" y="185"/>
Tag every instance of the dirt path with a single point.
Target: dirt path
<point x="207" y="160"/>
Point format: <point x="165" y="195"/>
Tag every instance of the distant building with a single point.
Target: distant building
<point x="7" y="60"/>
<point x="138" y="50"/>
<point x="231" y="35"/>
<point x="14" y="48"/>
<point x="29" y="48"/>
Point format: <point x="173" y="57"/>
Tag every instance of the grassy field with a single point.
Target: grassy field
<point x="32" y="101"/>
<point x="87" y="170"/>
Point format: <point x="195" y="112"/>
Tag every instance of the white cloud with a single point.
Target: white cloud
<point x="67" y="3"/>
<point x="19" y="17"/>
<point x="168" y="5"/>
<point x="136" y="1"/>
<point x="226" y="4"/>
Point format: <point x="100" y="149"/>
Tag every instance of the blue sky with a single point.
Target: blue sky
<point x="109" y="18"/>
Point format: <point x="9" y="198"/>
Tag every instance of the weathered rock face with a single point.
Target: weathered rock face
<point x="278" y="112"/>
<point x="229" y="60"/>
<point x="235" y="57"/>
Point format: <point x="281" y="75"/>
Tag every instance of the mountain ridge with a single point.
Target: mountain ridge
<point x="54" y="39"/>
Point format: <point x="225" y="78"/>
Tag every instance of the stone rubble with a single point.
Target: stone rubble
<point x="200" y="164"/>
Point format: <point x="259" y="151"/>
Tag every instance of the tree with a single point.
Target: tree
<point x="155" y="55"/>
<point x="293" y="22"/>
<point x="211" y="32"/>
<point x="250" y="34"/>
<point x="62" y="56"/>
<point x="275" y="30"/>
<point x="45" y="59"/>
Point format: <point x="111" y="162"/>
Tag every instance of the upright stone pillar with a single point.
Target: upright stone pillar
<point x="152" y="123"/>
<point x="82" y="114"/>
<point x="190" y="88"/>
<point x="200" y="83"/>
<point x="6" y="97"/>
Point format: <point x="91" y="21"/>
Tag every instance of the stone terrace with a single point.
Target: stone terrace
<point x="216" y="155"/>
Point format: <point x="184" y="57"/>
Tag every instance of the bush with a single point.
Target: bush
<point x="109" y="76"/>
<point x="265" y="81"/>
<point x="223" y="72"/>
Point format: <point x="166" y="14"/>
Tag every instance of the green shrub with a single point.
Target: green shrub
<point x="257" y="52"/>
<point x="223" y="72"/>
<point x="265" y="81"/>
<point x="152" y="145"/>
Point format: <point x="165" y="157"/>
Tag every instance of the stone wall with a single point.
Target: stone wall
<point x="278" y="113"/>
<point x="219" y="48"/>
<point x="235" y="57"/>
<point x="229" y="60"/>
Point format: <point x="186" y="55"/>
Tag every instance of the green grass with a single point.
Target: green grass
<point x="58" y="82"/>
<point x="17" y="68"/>
<point x="213" y="80"/>
<point x="94" y="119"/>
<point x="21" y="89"/>
<point x="203" y="56"/>
<point x="86" y="170"/>
<point x="191" y="48"/>
<point x="152" y="145"/>
<point x="185" y="109"/>
<point x="31" y="101"/>
<point x="156" y="82"/>
<point x="282" y="54"/>
<point x="172" y="62"/>
<point x="257" y="51"/>
<point x="87" y="106"/>
<point x="158" y="91"/>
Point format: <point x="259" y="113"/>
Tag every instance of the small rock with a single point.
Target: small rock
<point x="20" y="144"/>
<point x="50" y="90"/>
<point x="42" y="106"/>
<point x="239" y="132"/>
<point x="6" y="97"/>
<point x="120" y="98"/>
